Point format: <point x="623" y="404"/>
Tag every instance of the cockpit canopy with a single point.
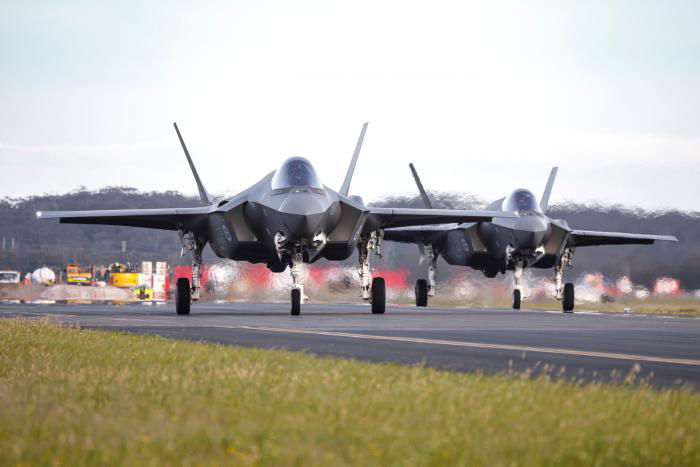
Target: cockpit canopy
<point x="296" y="172"/>
<point x="521" y="200"/>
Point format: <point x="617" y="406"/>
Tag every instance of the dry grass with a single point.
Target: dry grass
<point x="86" y="397"/>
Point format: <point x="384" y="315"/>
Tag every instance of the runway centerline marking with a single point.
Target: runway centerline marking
<point x="480" y="345"/>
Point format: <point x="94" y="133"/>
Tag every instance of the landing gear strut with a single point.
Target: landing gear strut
<point x="185" y="295"/>
<point x="372" y="290"/>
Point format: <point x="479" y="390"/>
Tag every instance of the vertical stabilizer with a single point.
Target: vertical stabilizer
<point x="544" y="202"/>
<point x="345" y="189"/>
<point x="203" y="195"/>
<point x="423" y="194"/>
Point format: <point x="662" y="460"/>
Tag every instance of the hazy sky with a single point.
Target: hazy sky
<point x="482" y="96"/>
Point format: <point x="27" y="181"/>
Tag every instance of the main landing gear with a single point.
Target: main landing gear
<point x="184" y="294"/>
<point x="373" y="290"/>
<point x="425" y="289"/>
<point x="565" y="294"/>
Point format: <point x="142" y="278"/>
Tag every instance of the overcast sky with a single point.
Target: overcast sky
<point x="482" y="96"/>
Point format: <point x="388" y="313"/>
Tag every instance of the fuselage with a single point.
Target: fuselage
<point x="289" y="211"/>
<point x="497" y="246"/>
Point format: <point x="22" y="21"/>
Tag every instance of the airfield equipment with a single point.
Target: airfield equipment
<point x="286" y="219"/>
<point x="76" y="275"/>
<point x="9" y="277"/>
<point x="43" y="276"/>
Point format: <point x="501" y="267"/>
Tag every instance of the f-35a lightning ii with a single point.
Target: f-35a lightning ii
<point x="288" y="218"/>
<point x="508" y="244"/>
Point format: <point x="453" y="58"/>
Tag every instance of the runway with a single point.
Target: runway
<point x="583" y="346"/>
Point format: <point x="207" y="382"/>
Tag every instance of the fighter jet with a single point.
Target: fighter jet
<point x="531" y="239"/>
<point x="286" y="219"/>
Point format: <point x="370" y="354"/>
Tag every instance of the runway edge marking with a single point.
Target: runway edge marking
<point x="481" y="345"/>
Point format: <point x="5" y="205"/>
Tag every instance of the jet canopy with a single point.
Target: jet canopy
<point x="296" y="172"/>
<point x="521" y="200"/>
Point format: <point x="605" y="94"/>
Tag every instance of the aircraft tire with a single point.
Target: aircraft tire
<point x="567" y="302"/>
<point x="183" y="296"/>
<point x="378" y="296"/>
<point x="516" y="299"/>
<point x="296" y="302"/>
<point x="421" y="292"/>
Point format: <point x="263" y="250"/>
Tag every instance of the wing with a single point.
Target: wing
<point x="382" y="218"/>
<point x="166" y="219"/>
<point x="592" y="238"/>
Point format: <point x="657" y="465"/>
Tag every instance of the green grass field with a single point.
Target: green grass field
<point x="75" y="397"/>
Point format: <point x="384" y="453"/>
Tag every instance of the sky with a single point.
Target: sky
<point x="483" y="96"/>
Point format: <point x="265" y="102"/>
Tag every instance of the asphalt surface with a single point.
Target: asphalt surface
<point x="582" y="346"/>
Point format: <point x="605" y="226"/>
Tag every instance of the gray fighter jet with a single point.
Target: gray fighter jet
<point x="288" y="218"/>
<point x="531" y="239"/>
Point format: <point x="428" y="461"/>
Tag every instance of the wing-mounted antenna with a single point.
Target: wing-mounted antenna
<point x="423" y="194"/>
<point x="345" y="189"/>
<point x="544" y="202"/>
<point x="203" y="195"/>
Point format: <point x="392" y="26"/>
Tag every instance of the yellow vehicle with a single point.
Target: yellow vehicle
<point x="80" y="276"/>
<point x="123" y="276"/>
<point x="143" y="293"/>
<point x="124" y="280"/>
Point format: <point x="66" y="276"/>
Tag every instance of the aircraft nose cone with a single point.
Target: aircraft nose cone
<point x="302" y="214"/>
<point x="530" y="233"/>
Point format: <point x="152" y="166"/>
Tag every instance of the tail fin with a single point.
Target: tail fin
<point x="345" y="189"/>
<point x="423" y="194"/>
<point x="544" y="202"/>
<point x="203" y="195"/>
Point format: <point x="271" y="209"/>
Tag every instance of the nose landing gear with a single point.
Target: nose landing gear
<point x="297" y="289"/>
<point x="517" y="275"/>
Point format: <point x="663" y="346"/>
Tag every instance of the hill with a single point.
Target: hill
<point x="43" y="243"/>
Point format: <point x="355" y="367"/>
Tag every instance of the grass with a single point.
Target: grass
<point x="75" y="397"/>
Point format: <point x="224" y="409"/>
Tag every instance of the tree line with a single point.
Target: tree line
<point x="38" y="243"/>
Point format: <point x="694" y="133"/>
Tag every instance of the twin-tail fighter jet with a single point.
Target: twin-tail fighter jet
<point x="286" y="219"/>
<point x="531" y="239"/>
